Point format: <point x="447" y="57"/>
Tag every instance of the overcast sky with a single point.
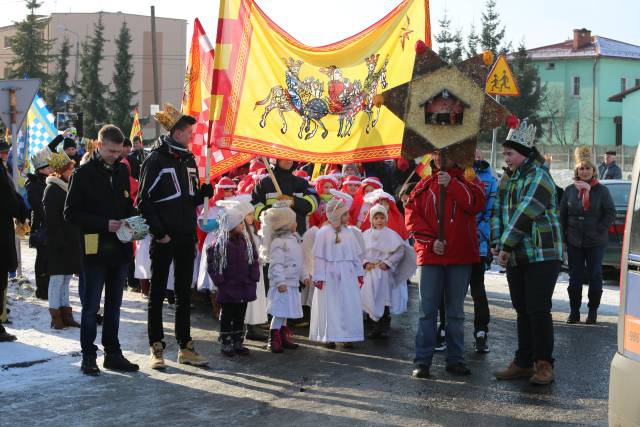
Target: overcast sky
<point x="319" y="22"/>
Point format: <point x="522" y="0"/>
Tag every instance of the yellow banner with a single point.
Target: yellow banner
<point x="283" y="99"/>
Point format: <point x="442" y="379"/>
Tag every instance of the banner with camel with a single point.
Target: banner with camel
<point x="277" y="97"/>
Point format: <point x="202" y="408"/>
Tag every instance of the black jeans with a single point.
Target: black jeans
<point x="578" y="259"/>
<point x="180" y="250"/>
<point x="232" y="321"/>
<point x="481" y="315"/>
<point x="95" y="278"/>
<point x="531" y="287"/>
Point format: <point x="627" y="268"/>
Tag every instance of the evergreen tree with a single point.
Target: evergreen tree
<point x="529" y="102"/>
<point x="449" y="44"/>
<point x="120" y="98"/>
<point x="59" y="80"/>
<point x="472" y="42"/>
<point x="91" y="89"/>
<point x="491" y="35"/>
<point x="30" y="47"/>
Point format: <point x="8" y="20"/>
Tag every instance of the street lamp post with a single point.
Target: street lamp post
<point x="65" y="29"/>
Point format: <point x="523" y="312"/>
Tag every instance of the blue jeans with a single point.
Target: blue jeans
<point x="578" y="259"/>
<point x="94" y="278"/>
<point x="453" y="280"/>
<point x="59" y="290"/>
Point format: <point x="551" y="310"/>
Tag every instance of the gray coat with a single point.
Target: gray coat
<point x="587" y="229"/>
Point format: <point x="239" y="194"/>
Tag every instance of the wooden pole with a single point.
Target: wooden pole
<point x="272" y="175"/>
<point x="207" y="148"/>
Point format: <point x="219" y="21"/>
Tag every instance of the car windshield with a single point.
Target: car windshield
<point x="620" y="193"/>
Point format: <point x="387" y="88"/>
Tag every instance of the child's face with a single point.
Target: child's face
<point x="228" y="193"/>
<point x="368" y="189"/>
<point x="249" y="219"/>
<point x="239" y="228"/>
<point x="352" y="189"/>
<point x="379" y="221"/>
<point x="385" y="203"/>
<point x="344" y="219"/>
<point x="326" y="187"/>
<point x="293" y="227"/>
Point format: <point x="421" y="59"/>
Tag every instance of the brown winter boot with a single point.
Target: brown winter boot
<point x="544" y="373"/>
<point x="156" y="360"/>
<point x="67" y="317"/>
<point x="189" y="356"/>
<point x="514" y="372"/>
<point x="56" y="318"/>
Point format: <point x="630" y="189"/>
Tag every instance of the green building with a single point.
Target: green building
<point x="580" y="75"/>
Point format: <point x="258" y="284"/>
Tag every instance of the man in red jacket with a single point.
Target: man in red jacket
<point x="445" y="265"/>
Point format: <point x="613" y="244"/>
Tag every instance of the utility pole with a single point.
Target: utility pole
<point x="154" y="56"/>
<point x="494" y="144"/>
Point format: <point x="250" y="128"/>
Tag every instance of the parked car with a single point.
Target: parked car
<point x="624" y="409"/>
<point x="620" y="191"/>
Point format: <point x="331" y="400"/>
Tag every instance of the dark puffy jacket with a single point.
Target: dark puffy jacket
<point x="304" y="199"/>
<point x="35" y="186"/>
<point x="9" y="209"/>
<point x="64" y="247"/>
<point x="237" y="282"/>
<point x="612" y="171"/>
<point x="587" y="229"/>
<point x="99" y="193"/>
<point x="169" y="190"/>
<point x="136" y="158"/>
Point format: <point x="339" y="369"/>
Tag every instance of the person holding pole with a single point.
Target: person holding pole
<point x="441" y="216"/>
<point x="169" y="193"/>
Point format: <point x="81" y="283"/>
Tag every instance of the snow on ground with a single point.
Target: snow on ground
<point x="41" y="350"/>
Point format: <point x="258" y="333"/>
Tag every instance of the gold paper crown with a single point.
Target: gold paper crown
<point x="168" y="117"/>
<point x="59" y="161"/>
<point x="582" y="154"/>
<point x="90" y="144"/>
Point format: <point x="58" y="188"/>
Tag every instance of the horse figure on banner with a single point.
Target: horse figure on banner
<point x="345" y="98"/>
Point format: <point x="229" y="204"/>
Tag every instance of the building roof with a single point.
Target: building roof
<point x="599" y="47"/>
<point x="620" y="96"/>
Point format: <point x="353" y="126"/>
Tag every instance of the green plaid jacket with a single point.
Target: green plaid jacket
<point x="525" y="221"/>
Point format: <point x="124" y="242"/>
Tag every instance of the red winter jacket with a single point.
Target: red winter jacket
<point x="463" y="201"/>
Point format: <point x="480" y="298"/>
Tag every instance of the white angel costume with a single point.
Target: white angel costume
<point x="307" y="246"/>
<point x="257" y="309"/>
<point x="286" y="267"/>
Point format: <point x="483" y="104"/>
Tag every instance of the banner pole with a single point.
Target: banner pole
<point x="272" y="175"/>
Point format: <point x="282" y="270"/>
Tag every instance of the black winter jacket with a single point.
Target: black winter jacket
<point x="169" y="190"/>
<point x="64" y="245"/>
<point x="9" y="209"/>
<point x="35" y="186"/>
<point x="304" y="198"/>
<point x="587" y="229"/>
<point x="136" y="158"/>
<point x="99" y="193"/>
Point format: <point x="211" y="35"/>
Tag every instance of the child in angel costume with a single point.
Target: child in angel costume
<point x="388" y="262"/>
<point x="360" y="207"/>
<point x="282" y="250"/>
<point x="336" y="312"/>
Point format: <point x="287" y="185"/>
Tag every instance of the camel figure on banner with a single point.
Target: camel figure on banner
<point x="345" y="99"/>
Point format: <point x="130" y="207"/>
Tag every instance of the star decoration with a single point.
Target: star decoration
<point x="433" y="78"/>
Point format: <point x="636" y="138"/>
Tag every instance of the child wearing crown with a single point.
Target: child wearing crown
<point x="336" y="312"/>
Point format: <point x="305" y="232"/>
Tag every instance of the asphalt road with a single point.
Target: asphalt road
<point x="368" y="385"/>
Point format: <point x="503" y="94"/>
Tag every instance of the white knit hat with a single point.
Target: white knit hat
<point x="241" y="202"/>
<point x="376" y="195"/>
<point x="376" y="209"/>
<point x="338" y="206"/>
<point x="278" y="217"/>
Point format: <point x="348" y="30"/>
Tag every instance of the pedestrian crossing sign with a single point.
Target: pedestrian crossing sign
<point x="500" y="80"/>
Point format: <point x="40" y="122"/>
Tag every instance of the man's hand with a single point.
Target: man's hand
<point x="288" y="199"/>
<point x="444" y="178"/>
<point x="369" y="266"/>
<point x="307" y="282"/>
<point x="206" y="190"/>
<point x="438" y="247"/>
<point x="503" y="258"/>
<point x="166" y="239"/>
<point x="114" y="225"/>
<point x="282" y="288"/>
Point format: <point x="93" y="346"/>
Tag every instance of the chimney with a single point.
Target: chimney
<point x="581" y="38"/>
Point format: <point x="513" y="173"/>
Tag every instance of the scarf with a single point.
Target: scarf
<point x="583" y="192"/>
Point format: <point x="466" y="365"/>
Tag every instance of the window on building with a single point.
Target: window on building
<point x="623" y="84"/>
<point x="637" y="83"/>
<point x="7" y="42"/>
<point x="576" y="86"/>
<point x="551" y="66"/>
<point x="576" y="131"/>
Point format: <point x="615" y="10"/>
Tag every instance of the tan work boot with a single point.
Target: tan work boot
<point x="67" y="317"/>
<point x="544" y="373"/>
<point x="514" y="372"/>
<point x="188" y="356"/>
<point x="156" y="361"/>
<point x="56" y="318"/>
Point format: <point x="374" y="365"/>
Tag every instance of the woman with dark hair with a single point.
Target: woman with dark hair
<point x="64" y="250"/>
<point x="586" y="212"/>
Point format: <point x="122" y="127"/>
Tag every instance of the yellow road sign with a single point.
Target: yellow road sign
<point x="500" y="80"/>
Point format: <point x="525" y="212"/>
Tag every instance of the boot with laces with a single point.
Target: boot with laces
<point x="189" y="356"/>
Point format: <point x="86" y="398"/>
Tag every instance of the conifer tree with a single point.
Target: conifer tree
<point x="59" y="82"/>
<point x="472" y="42"/>
<point x="120" y="98"/>
<point x="91" y="89"/>
<point x="492" y="33"/>
<point x="449" y="44"/>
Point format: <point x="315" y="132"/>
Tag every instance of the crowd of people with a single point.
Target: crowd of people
<point x="273" y="250"/>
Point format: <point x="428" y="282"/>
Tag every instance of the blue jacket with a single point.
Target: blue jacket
<point x="490" y="185"/>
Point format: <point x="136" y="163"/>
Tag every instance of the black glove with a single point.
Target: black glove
<point x="206" y="190"/>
